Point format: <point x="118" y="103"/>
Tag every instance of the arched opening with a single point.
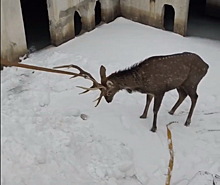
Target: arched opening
<point x="77" y="23"/>
<point x="200" y="22"/>
<point x="169" y="16"/>
<point x="98" y="16"/>
<point x="36" y="24"/>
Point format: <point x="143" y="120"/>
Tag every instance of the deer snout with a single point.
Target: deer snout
<point x="108" y="99"/>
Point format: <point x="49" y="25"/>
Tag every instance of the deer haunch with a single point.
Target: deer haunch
<point x="154" y="77"/>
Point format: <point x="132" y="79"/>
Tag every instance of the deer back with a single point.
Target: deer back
<point x="160" y="73"/>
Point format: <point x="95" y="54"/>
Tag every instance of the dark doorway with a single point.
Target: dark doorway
<point x="200" y="23"/>
<point x="169" y="15"/>
<point x="197" y="8"/>
<point x="36" y="24"/>
<point x="98" y="13"/>
<point x="77" y="23"/>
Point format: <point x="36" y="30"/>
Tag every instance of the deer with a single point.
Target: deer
<point x="154" y="77"/>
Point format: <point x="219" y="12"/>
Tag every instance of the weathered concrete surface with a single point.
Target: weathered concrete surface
<point x="61" y="18"/>
<point x="13" y="42"/>
<point x="152" y="12"/>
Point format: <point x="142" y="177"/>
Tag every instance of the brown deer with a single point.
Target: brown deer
<point x="154" y="77"/>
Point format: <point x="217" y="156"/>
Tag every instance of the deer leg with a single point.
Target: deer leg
<point x="148" y="101"/>
<point x="157" y="103"/>
<point x="182" y="96"/>
<point x="193" y="97"/>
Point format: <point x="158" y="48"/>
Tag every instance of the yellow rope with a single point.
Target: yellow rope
<point x="171" y="162"/>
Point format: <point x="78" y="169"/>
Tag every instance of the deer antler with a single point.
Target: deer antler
<point x="96" y="85"/>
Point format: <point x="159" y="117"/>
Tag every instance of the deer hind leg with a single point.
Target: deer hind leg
<point x="157" y="103"/>
<point x="182" y="96"/>
<point x="193" y="96"/>
<point x="148" y="101"/>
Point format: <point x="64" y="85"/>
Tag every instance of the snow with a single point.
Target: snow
<point x="52" y="135"/>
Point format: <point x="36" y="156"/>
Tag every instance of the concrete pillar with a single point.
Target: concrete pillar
<point x="88" y="16"/>
<point x="181" y="20"/>
<point x="61" y="22"/>
<point x="13" y="41"/>
<point x="110" y="10"/>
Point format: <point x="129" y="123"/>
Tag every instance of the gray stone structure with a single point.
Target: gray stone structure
<point x="151" y="12"/>
<point x="13" y="43"/>
<point x="62" y="24"/>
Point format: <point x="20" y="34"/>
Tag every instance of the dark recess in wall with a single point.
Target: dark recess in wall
<point x="98" y="13"/>
<point x="77" y="23"/>
<point x="169" y="15"/>
<point x="200" y="23"/>
<point x="36" y="24"/>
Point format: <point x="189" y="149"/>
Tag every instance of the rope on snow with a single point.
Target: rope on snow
<point x="171" y="161"/>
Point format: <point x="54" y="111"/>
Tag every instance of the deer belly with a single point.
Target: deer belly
<point x="159" y="84"/>
<point x="140" y="89"/>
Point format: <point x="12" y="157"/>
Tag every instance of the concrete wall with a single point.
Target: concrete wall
<point x="152" y="12"/>
<point x="181" y="14"/>
<point x="61" y="18"/>
<point x="13" y="42"/>
<point x="61" y="21"/>
<point x="139" y="11"/>
<point x="61" y="15"/>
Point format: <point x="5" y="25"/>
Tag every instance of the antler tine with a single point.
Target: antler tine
<point x="81" y="73"/>
<point x="99" y="98"/>
<point x="87" y="75"/>
<point x="84" y="92"/>
<point x="87" y="89"/>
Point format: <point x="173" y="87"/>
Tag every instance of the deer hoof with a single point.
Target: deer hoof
<point x="171" y="112"/>
<point x="187" y="124"/>
<point x="153" y="129"/>
<point x="143" y="116"/>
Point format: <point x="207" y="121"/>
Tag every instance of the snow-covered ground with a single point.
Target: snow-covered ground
<point x="45" y="141"/>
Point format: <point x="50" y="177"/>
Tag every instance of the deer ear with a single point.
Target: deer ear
<point x="103" y="74"/>
<point x="109" y="83"/>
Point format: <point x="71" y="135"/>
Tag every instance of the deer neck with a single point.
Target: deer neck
<point x="125" y="80"/>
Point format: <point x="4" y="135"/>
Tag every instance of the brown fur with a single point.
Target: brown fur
<point x="157" y="75"/>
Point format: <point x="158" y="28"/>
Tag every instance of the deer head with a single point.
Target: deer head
<point x="111" y="88"/>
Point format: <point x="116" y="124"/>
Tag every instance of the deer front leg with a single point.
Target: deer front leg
<point x="157" y="103"/>
<point x="148" y="101"/>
